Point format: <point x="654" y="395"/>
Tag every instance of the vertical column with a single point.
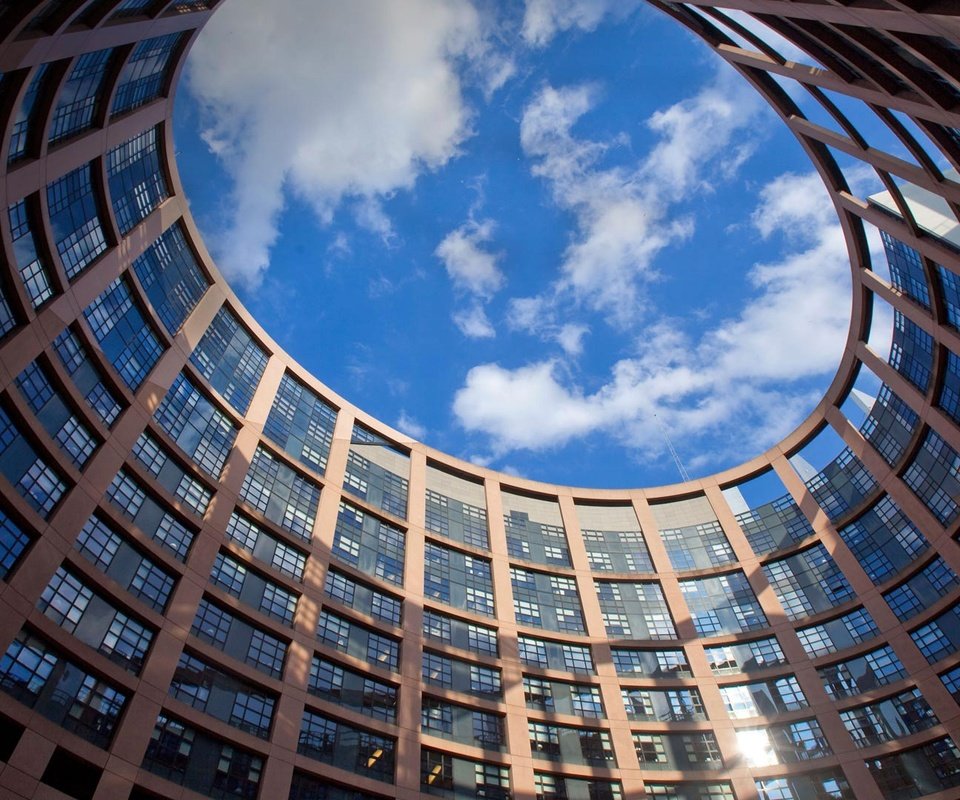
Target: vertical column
<point x="411" y="658"/>
<point x="517" y="734"/>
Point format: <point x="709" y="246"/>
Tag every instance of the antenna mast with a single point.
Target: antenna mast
<point x="672" y="449"/>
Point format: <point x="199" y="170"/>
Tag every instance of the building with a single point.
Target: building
<point x="220" y="579"/>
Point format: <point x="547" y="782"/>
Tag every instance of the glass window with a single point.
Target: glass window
<point x="87" y="376"/>
<point x="171" y="278"/>
<point x="807" y="583"/>
<point x="763" y="699"/>
<point x="940" y="637"/>
<point x="354" y="749"/>
<point x="32" y="266"/>
<point x="889" y="719"/>
<point x="922" y="590"/>
<point x="81" y="96"/>
<point x="53" y="410"/>
<point x="923" y="770"/>
<point x="635" y="610"/>
<point x="75" y="220"/>
<point x="745" y="656"/>
<point x="933" y="476"/>
<point x="170" y="754"/>
<point x="838" y="633"/>
<point x="883" y="540"/>
<point x="546" y="601"/>
<point x="535" y="541"/>
<point x="201" y="429"/>
<point x="25" y="121"/>
<point x="301" y="423"/>
<point x="13" y="542"/>
<point x="38" y="676"/>
<point x="135" y="179"/>
<point x="457" y="520"/>
<point x="372" y="545"/>
<point x="775" y="525"/>
<point x="697" y="546"/>
<point x="230" y="360"/>
<point x="842" y="485"/>
<point x="373" y="473"/>
<point x="145" y="74"/>
<point x="123" y="334"/>
<point x="863" y="673"/>
<point x="283" y="495"/>
<point x="30" y="475"/>
<point x="723" y="604"/>
<point x="149" y="515"/>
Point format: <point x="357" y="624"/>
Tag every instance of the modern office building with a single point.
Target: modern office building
<point x="221" y="579"/>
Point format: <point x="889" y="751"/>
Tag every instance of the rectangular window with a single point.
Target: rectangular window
<point x="32" y="266"/>
<point x="68" y="602"/>
<point x="301" y="423"/>
<point x="281" y="494"/>
<point x="135" y="179"/>
<point x="373" y="473"/>
<point x="807" y="583"/>
<point x="171" y="278"/>
<point x="87" y="376"/>
<point x="334" y="742"/>
<point x="230" y="360"/>
<point x="13" y="542"/>
<point x="24" y="128"/>
<point x="54" y="412"/>
<point x="81" y="97"/>
<point x="40" y="677"/>
<point x="144" y="76"/>
<point x="75" y="220"/>
<point x="372" y="545"/>
<point x="170" y="755"/>
<point x="30" y="475"/>
<point x="201" y="429"/>
<point x="457" y="520"/>
<point x="883" y="540"/>
<point x="123" y="333"/>
<point x="171" y="475"/>
<point x="723" y="604"/>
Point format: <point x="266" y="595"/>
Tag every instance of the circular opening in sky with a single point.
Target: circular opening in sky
<point x="547" y="237"/>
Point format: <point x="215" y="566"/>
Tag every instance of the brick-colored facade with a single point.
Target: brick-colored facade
<point x="894" y="60"/>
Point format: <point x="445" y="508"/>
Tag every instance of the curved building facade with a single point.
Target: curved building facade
<point x="219" y="578"/>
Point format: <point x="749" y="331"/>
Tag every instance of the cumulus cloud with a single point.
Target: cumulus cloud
<point x="474" y="323"/>
<point x="739" y="385"/>
<point x="623" y="215"/>
<point x="544" y="19"/>
<point x="474" y="272"/>
<point x="471" y="267"/>
<point x="332" y="101"/>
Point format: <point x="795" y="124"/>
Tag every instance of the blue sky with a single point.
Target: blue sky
<point x="532" y="235"/>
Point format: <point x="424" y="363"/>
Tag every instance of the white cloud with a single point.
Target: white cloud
<point x="473" y="322"/>
<point x="702" y="137"/>
<point x="570" y="338"/>
<point x="624" y="215"/>
<point x="543" y="19"/>
<point x="474" y="272"/>
<point x="525" y="408"/>
<point x="738" y="386"/>
<point x="369" y="214"/>
<point x="332" y="101"/>
<point x="470" y="267"/>
<point x="408" y="425"/>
